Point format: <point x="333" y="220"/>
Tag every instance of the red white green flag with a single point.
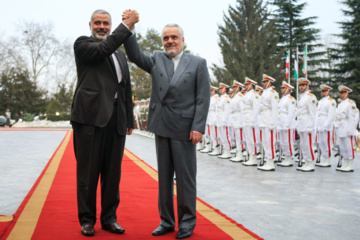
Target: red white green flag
<point x="305" y="62"/>
<point x="287" y="64"/>
<point x="296" y="67"/>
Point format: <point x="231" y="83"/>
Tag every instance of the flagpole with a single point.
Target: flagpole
<point x="305" y="70"/>
<point x="289" y="67"/>
<point x="297" y="81"/>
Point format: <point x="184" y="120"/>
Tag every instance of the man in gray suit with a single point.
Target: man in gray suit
<point x="179" y="105"/>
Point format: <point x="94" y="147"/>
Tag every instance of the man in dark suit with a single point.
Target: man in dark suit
<point x="101" y="116"/>
<point x="179" y="105"/>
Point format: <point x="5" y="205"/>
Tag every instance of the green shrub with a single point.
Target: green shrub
<point x="61" y="117"/>
<point x="28" y="117"/>
<point x="53" y="107"/>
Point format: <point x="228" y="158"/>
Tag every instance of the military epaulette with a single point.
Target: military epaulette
<point x="310" y="94"/>
<point x="240" y="95"/>
<point x="272" y="90"/>
<point x="226" y="96"/>
<point x="331" y="99"/>
<point x="291" y="97"/>
<point x="216" y="96"/>
<point x="351" y="101"/>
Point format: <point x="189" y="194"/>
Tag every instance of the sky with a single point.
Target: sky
<point x="199" y="18"/>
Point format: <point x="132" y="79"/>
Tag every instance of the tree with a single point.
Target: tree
<point x="19" y="93"/>
<point x="296" y="32"/>
<point x="34" y="48"/>
<point x="248" y="43"/>
<point x="64" y="96"/>
<point x="348" y="53"/>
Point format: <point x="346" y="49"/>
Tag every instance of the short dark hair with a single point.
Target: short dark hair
<point x="101" y="11"/>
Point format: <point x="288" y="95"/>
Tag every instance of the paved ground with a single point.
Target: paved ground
<point x="285" y="204"/>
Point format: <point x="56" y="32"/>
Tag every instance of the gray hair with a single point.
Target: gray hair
<point x="101" y="11"/>
<point x="173" y="25"/>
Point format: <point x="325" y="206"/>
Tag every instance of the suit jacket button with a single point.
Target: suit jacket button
<point x="160" y="89"/>
<point x="161" y="74"/>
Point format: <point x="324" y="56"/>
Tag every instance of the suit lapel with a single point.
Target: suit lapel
<point x="122" y="62"/>
<point x="184" y="62"/>
<point x="169" y="66"/>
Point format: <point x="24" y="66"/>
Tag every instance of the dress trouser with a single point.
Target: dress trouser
<point x="239" y="138"/>
<point x="98" y="152"/>
<point x="325" y="139"/>
<point x="214" y="135"/>
<point x="252" y="138"/>
<point x="225" y="138"/>
<point x="306" y="145"/>
<point x="346" y="145"/>
<point x="286" y="138"/>
<point x="177" y="156"/>
<point x="206" y="136"/>
<point x="268" y="142"/>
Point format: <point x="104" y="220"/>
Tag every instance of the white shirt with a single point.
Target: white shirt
<point x="176" y="60"/>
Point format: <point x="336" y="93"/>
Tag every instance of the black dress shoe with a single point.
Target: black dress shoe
<point x="113" y="228"/>
<point x="184" y="233"/>
<point x="87" y="230"/>
<point x="161" y="230"/>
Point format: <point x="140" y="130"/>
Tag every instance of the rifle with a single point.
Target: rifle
<point x="280" y="152"/>
<point x="319" y="152"/>
<point x="263" y="155"/>
<point x="247" y="152"/>
<point x="340" y="157"/>
<point x="301" y="156"/>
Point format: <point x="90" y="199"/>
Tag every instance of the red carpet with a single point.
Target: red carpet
<point x="49" y="210"/>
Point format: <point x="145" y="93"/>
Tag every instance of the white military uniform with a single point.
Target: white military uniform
<point x="210" y="126"/>
<point x="137" y="116"/>
<point x="325" y="117"/>
<point x="344" y="123"/>
<point x="357" y="117"/>
<point x="250" y="114"/>
<point x="269" y="111"/>
<point x="286" y="127"/>
<point x="237" y="124"/>
<point x="306" y="126"/>
<point x="223" y="109"/>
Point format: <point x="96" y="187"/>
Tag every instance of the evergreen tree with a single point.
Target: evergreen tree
<point x="64" y="97"/>
<point x="348" y="53"/>
<point x="296" y="32"/>
<point x="248" y="43"/>
<point x="19" y="93"/>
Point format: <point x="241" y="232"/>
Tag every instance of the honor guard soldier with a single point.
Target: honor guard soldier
<point x="250" y="114"/>
<point x="137" y="114"/>
<point x="306" y="124"/>
<point x="223" y="109"/>
<point x="237" y="122"/>
<point x="259" y="90"/>
<point x="286" y="124"/>
<point x="211" y="129"/>
<point x="324" y="124"/>
<point x="142" y="114"/>
<point x="269" y="111"/>
<point x="345" y="122"/>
